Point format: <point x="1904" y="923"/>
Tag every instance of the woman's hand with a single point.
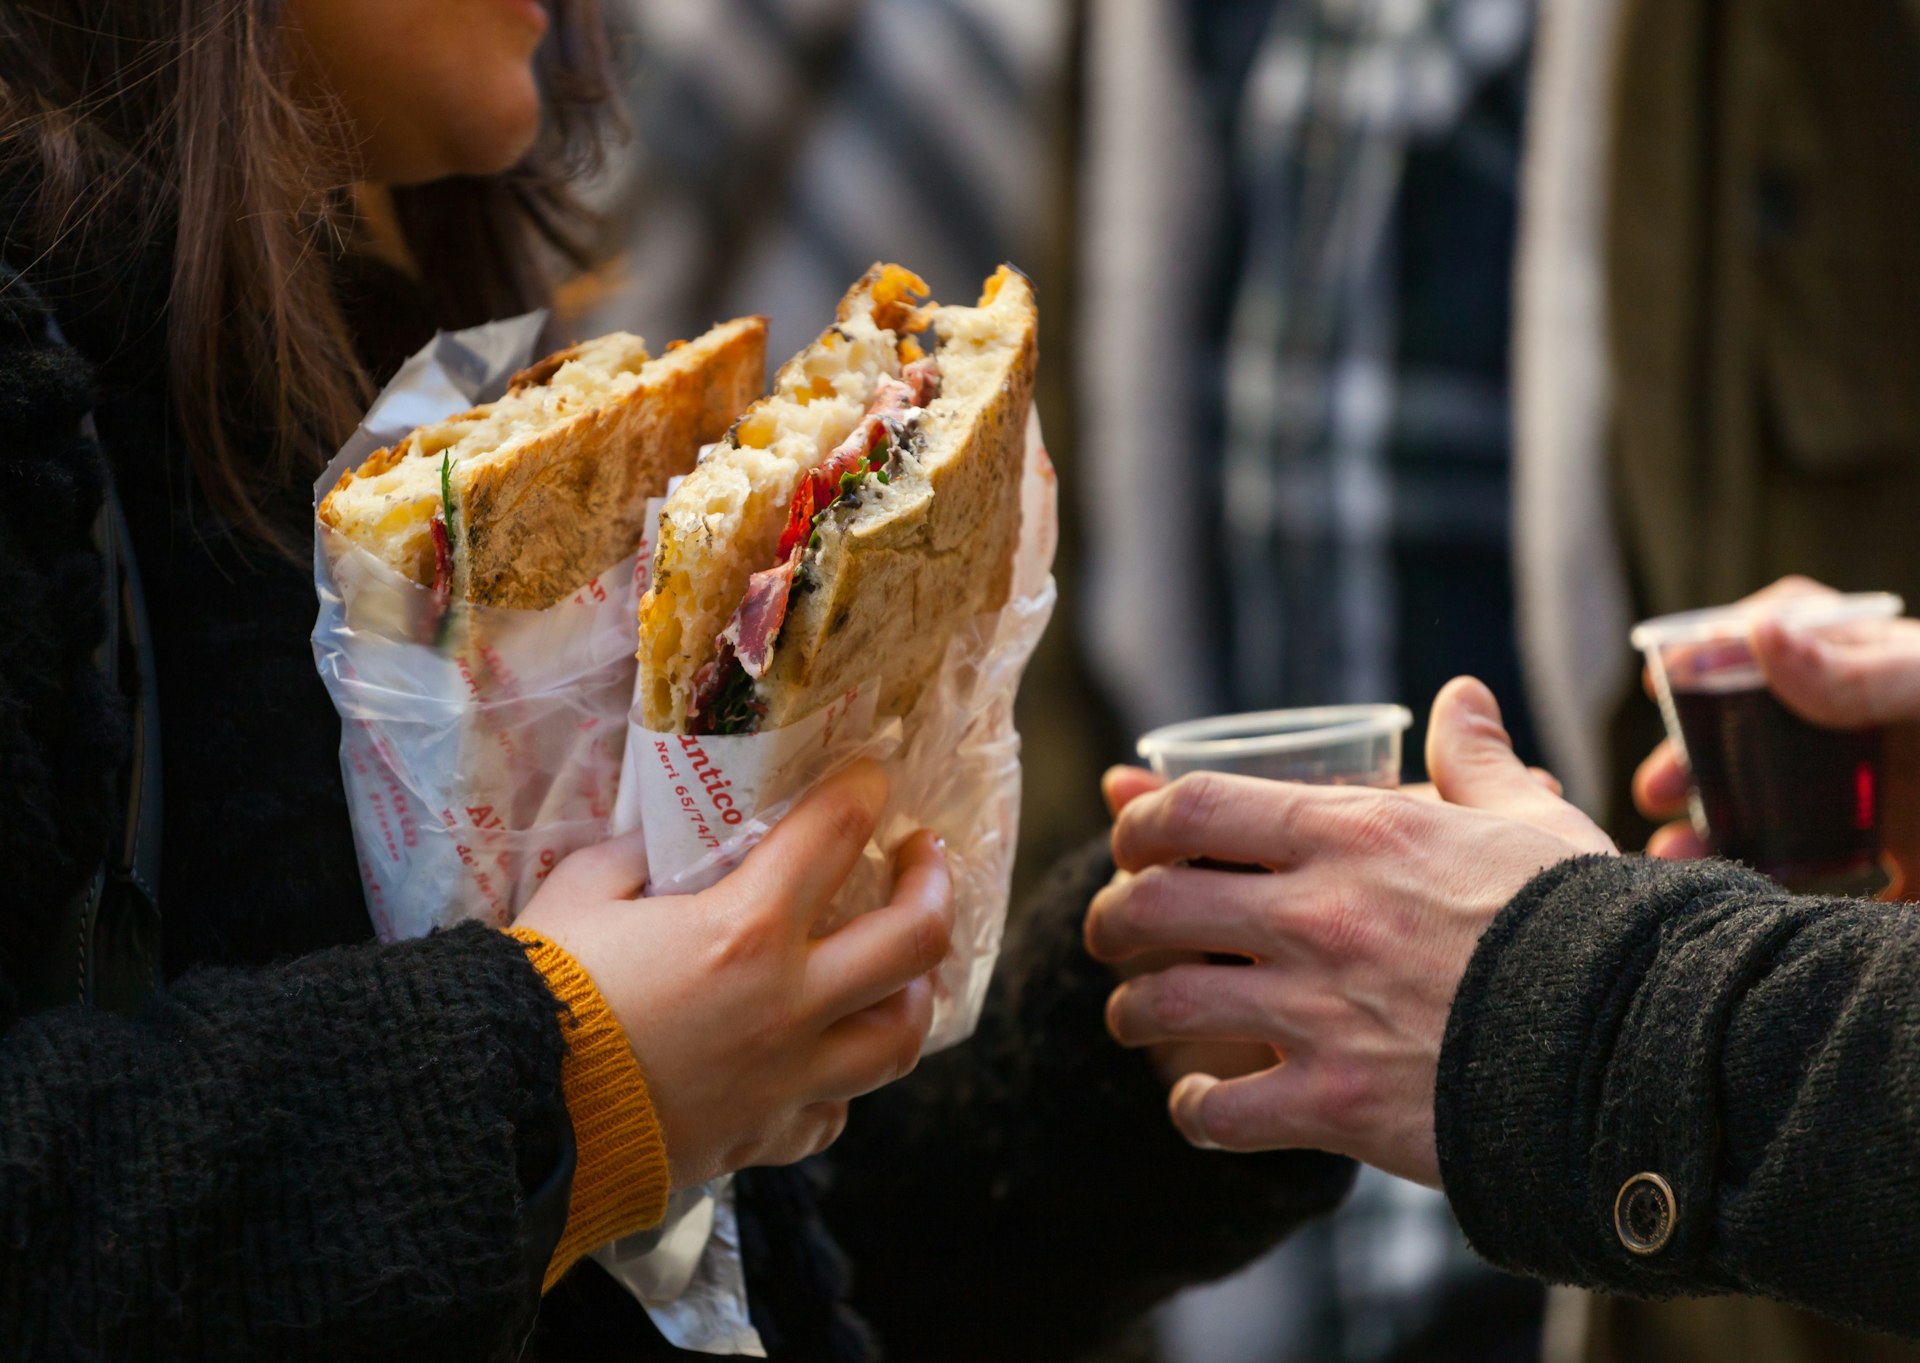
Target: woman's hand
<point x="1358" y="937"/>
<point x="1850" y="677"/>
<point x="754" y="1033"/>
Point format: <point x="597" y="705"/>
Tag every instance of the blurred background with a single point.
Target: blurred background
<point x="1272" y="242"/>
<point x="1383" y="340"/>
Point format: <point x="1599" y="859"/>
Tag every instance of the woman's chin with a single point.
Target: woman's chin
<point x="496" y="139"/>
<point x="489" y="135"/>
<point x="501" y="156"/>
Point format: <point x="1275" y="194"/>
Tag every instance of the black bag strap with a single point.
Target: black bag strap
<point x="104" y="951"/>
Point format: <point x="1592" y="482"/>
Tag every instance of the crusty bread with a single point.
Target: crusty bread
<point x="891" y="579"/>
<point x="549" y="485"/>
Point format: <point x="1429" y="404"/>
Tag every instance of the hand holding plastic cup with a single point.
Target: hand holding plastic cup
<point x="1325" y="745"/>
<point x="1799" y="802"/>
<point x="1339" y="745"/>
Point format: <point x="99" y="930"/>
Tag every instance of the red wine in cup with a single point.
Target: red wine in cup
<point x="1789" y="798"/>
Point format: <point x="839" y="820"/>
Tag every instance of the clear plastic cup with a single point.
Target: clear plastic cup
<point x="1787" y="797"/>
<point x="1341" y="745"/>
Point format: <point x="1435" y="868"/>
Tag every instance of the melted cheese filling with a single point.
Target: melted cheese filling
<point x="391" y="512"/>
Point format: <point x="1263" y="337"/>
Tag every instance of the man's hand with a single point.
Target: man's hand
<point x="1174" y="1060"/>
<point x="1356" y="939"/>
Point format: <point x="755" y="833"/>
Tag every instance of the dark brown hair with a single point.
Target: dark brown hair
<point x="171" y="125"/>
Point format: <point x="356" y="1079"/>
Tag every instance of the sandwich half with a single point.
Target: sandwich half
<point x="851" y="520"/>
<point x="523" y="500"/>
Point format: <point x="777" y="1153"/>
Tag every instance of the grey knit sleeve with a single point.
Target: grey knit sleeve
<point x="334" y="1159"/>
<point x="1758" y="1052"/>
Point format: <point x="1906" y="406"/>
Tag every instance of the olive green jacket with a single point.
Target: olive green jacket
<point x="1762" y="265"/>
<point x="1725" y="1330"/>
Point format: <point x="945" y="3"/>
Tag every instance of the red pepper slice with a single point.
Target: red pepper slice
<point x="442" y="560"/>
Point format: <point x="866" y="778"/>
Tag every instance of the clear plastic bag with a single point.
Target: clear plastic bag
<point x="479" y="745"/>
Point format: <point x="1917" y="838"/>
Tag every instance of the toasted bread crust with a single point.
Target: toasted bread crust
<point x="533" y="525"/>
<point x="387" y="456"/>
<point x="542" y="370"/>
<point x="378" y="462"/>
<point x="897" y="585"/>
<point x="889" y="588"/>
<point x="534" y="528"/>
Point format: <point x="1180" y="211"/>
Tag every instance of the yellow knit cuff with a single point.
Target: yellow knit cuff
<point x="620" y="1180"/>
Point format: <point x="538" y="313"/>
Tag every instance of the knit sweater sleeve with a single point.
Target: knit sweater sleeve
<point x="1024" y="1195"/>
<point x="620" y="1181"/>
<point x="327" y="1160"/>
<point x="1758" y="1051"/>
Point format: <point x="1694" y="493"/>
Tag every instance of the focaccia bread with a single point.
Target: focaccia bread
<point x="905" y="465"/>
<point x="519" y="502"/>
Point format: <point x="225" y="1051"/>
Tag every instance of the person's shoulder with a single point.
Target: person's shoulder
<point x="52" y="472"/>
<point x="26" y="320"/>
<point x="46" y="385"/>
<point x="64" y="729"/>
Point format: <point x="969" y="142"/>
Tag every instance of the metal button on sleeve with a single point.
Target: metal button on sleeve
<point x="1644" y="1213"/>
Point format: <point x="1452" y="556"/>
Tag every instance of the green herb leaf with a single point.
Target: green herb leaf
<point x="737" y="709"/>
<point x="446" y="489"/>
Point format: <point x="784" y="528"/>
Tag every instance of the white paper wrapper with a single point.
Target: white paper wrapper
<point x="954" y="767"/>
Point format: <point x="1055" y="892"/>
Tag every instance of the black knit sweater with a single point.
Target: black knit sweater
<point x="1051" y="1200"/>
<point x="346" y="1157"/>
<point x="1757" y="1050"/>
<point x="332" y="1159"/>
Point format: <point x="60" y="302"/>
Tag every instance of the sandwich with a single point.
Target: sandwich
<point x="851" y="520"/>
<point x="521" y="501"/>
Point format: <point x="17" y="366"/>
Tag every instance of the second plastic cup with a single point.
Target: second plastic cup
<point x="1342" y="745"/>
<point x="1787" y="797"/>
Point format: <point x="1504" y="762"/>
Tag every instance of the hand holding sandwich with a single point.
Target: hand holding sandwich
<point x="753" y="1033"/>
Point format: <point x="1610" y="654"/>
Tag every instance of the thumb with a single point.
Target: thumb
<point x="1470" y="757"/>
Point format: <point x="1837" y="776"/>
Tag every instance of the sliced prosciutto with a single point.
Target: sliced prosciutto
<point x="746" y="644"/>
<point x="923" y="377"/>
<point x="762" y="611"/>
